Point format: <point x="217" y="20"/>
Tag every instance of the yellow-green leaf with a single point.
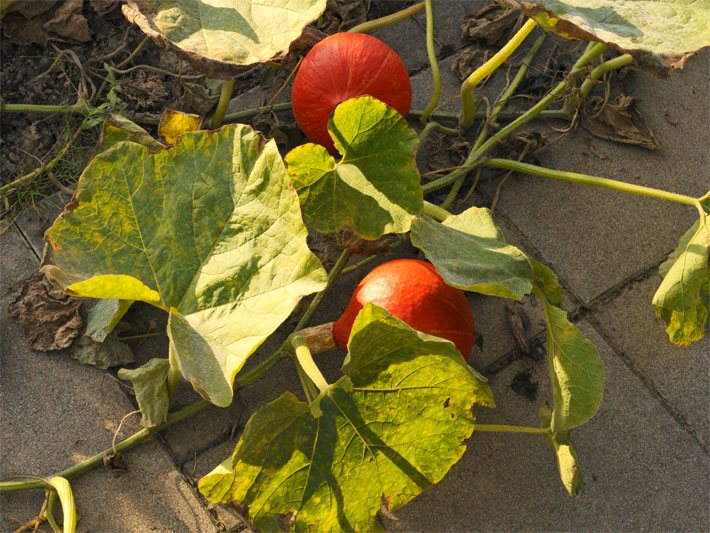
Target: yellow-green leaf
<point x="209" y="230"/>
<point x="683" y="298"/>
<point x="390" y="428"/>
<point x="374" y="189"/>
<point x="175" y="123"/>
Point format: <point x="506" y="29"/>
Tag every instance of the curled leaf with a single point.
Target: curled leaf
<point x="150" y="384"/>
<point x="49" y="318"/>
<point x="618" y="121"/>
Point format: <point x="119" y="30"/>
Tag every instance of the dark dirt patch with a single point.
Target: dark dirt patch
<point x="524" y="385"/>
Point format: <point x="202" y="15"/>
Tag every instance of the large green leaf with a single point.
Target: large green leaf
<point x="209" y="230"/>
<point x="374" y="189"/>
<point x="218" y="35"/>
<point x="670" y="29"/>
<point x="683" y="298"/>
<point x="389" y="429"/>
<point x="471" y="262"/>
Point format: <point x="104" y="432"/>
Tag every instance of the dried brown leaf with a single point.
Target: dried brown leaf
<point x="490" y="24"/>
<point x="468" y="60"/>
<point x="618" y="121"/>
<point x="49" y="318"/>
<point x="518" y="322"/>
<point x="69" y="22"/>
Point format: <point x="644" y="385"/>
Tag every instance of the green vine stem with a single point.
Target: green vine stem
<point x="78" y="108"/>
<point x="473" y="160"/>
<point x="498" y="107"/>
<point x="431" y="52"/>
<point x="502" y="428"/>
<point x="584" y="179"/>
<point x="225" y="96"/>
<point x="305" y="361"/>
<point x="434" y="211"/>
<point x="388" y="20"/>
<point x="588" y="83"/>
<point x="49" y="511"/>
<point x="467" y="99"/>
<point x="435" y="126"/>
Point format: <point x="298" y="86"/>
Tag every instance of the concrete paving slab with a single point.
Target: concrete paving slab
<point x="643" y="471"/>
<point x="34" y="221"/>
<point x="55" y="413"/>
<point x="17" y="259"/>
<point x="448" y="18"/>
<point x="681" y="375"/>
<point x="595" y="239"/>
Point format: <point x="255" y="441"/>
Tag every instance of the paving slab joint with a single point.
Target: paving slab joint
<point x="679" y="417"/>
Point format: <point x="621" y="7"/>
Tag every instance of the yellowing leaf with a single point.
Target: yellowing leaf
<point x="390" y="428"/>
<point x="209" y="230"/>
<point x="174" y="123"/>
<point x="683" y="298"/>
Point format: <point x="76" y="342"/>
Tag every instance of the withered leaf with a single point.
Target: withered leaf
<point x="49" y="318"/>
<point x="618" y="121"/>
<point x="518" y="322"/>
<point x="489" y="24"/>
<point x="468" y="60"/>
<point x="106" y="354"/>
<point x="69" y="22"/>
<point x="341" y="15"/>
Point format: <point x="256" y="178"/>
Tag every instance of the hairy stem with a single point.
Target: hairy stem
<point x="431" y="53"/>
<point x="435" y="126"/>
<point x="388" y="20"/>
<point x="249" y="113"/>
<point x="584" y="179"/>
<point x="485" y="70"/>
<point x="502" y="428"/>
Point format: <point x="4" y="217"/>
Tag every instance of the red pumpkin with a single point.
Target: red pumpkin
<point x="414" y="292"/>
<point x="344" y="66"/>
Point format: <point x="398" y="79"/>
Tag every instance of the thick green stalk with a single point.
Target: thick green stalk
<point x="305" y="361"/>
<point x="388" y="20"/>
<point x="501" y="428"/>
<point x="597" y="72"/>
<point x="436" y="212"/>
<point x="584" y="179"/>
<point x="485" y="70"/>
<point x="80" y="108"/>
<point x="249" y="113"/>
<point x="225" y="96"/>
<point x="434" y="64"/>
<point x="332" y="275"/>
<point x="435" y="126"/>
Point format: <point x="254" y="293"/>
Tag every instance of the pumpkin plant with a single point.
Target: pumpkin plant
<point x="211" y="230"/>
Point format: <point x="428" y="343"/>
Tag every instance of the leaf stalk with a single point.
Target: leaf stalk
<point x="225" y="96"/>
<point x="502" y="428"/>
<point x="434" y="64"/>
<point x="467" y="98"/>
<point x="372" y="25"/>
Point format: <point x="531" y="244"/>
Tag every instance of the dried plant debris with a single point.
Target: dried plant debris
<point x="33" y="22"/>
<point x="104" y="7"/>
<point x="341" y="15"/>
<point x="468" y="60"/>
<point x="524" y="385"/>
<point x="49" y="318"/>
<point x="490" y="24"/>
<point x="618" y="121"/>
<point x="518" y="322"/>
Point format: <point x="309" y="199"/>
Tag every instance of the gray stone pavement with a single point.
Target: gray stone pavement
<point x="645" y="455"/>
